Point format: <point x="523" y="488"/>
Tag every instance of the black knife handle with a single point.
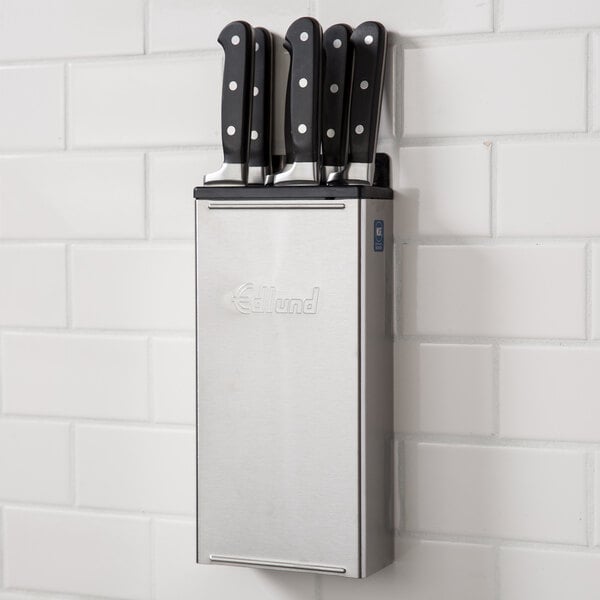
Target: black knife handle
<point x="260" y="123"/>
<point x="338" y="54"/>
<point x="236" y="40"/>
<point x="304" y="41"/>
<point x="369" y="40"/>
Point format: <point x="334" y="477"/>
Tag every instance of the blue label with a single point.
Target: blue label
<point x="378" y="235"/>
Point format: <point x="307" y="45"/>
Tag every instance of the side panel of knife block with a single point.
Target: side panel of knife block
<point x="294" y="378"/>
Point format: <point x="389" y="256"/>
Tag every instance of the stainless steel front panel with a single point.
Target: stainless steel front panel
<point x="279" y="384"/>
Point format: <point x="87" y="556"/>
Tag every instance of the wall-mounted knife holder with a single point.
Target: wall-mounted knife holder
<point x="294" y="376"/>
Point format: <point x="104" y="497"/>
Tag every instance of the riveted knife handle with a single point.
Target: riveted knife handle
<point x="338" y="55"/>
<point x="304" y="41"/>
<point x="369" y="40"/>
<point x="260" y="124"/>
<point x="237" y="42"/>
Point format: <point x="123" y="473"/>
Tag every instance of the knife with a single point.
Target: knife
<point x="335" y="100"/>
<point x="259" y="155"/>
<point x="237" y="42"/>
<point x="303" y="41"/>
<point x="369" y="40"/>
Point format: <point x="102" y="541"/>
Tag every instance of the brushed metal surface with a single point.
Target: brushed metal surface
<point x="278" y="385"/>
<point x="295" y="384"/>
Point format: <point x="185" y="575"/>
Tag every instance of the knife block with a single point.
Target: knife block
<point x="295" y="377"/>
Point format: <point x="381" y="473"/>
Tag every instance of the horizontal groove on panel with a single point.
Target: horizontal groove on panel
<point x="228" y="204"/>
<point x="275" y="564"/>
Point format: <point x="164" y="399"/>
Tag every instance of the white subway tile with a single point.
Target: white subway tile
<point x="527" y="574"/>
<point x="520" y="493"/>
<point x="443" y="190"/>
<point x="521" y="86"/>
<point x="548" y="189"/>
<point x="78" y="553"/>
<point x="406" y="17"/>
<point x="34" y="460"/>
<point x="513" y="291"/>
<point x="174" y="380"/>
<point x="133" y="287"/>
<point x="154" y="469"/>
<point x="86" y="376"/>
<point x="34" y="29"/>
<point x="146" y="102"/>
<point x="34" y="285"/>
<point x="444" y="388"/>
<point x="540" y="14"/>
<point x="173" y="177"/>
<point x="72" y="196"/>
<point x="178" y="576"/>
<point x="423" y="571"/>
<point x="184" y="25"/>
<point x="32" y="107"/>
<point x="550" y="393"/>
<point x="596" y="291"/>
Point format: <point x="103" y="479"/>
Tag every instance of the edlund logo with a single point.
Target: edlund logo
<point x="248" y="300"/>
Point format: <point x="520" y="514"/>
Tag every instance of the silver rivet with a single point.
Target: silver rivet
<point x="364" y="84"/>
<point x="330" y="133"/>
<point x="235" y="40"/>
<point x="232" y="86"/>
<point x="302" y="128"/>
<point x="337" y="43"/>
<point x="254" y="135"/>
<point x="256" y="46"/>
<point x="359" y="129"/>
<point x="255" y="91"/>
<point x="230" y="130"/>
<point x="303" y="82"/>
<point x="333" y="88"/>
<point x="303" y="36"/>
<point x="368" y="40"/>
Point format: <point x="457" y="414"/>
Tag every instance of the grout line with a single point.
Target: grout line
<point x="496" y="15"/>
<point x="147" y="197"/>
<point x="589" y="286"/>
<point x="150" y="379"/>
<point x="146" y="26"/>
<point x="152" y="558"/>
<point x="485" y="441"/>
<point x="101" y="422"/>
<point x="68" y="287"/>
<point x="400" y="487"/>
<point x="94" y="150"/>
<point x="493" y="190"/>
<point x="66" y="106"/>
<point x="496" y="390"/>
<point x="1" y="377"/>
<point x="109" y="511"/>
<point x="499" y="542"/>
<point x="497" y="577"/>
<point x="2" y="547"/>
<point x="73" y="463"/>
<point x="318" y="589"/>
<point x="589" y="83"/>
<point x="590" y="497"/>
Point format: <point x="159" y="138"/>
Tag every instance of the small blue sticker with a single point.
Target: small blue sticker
<point x="378" y="235"/>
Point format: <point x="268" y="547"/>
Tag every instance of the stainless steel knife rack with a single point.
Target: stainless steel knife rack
<point x="295" y="377"/>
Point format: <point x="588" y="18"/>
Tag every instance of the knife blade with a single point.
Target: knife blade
<point x="236" y="40"/>
<point x="304" y="42"/>
<point x="369" y="40"/>
<point x="259" y="155"/>
<point x="338" y="56"/>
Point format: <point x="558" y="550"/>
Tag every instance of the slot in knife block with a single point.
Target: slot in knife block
<point x="295" y="376"/>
